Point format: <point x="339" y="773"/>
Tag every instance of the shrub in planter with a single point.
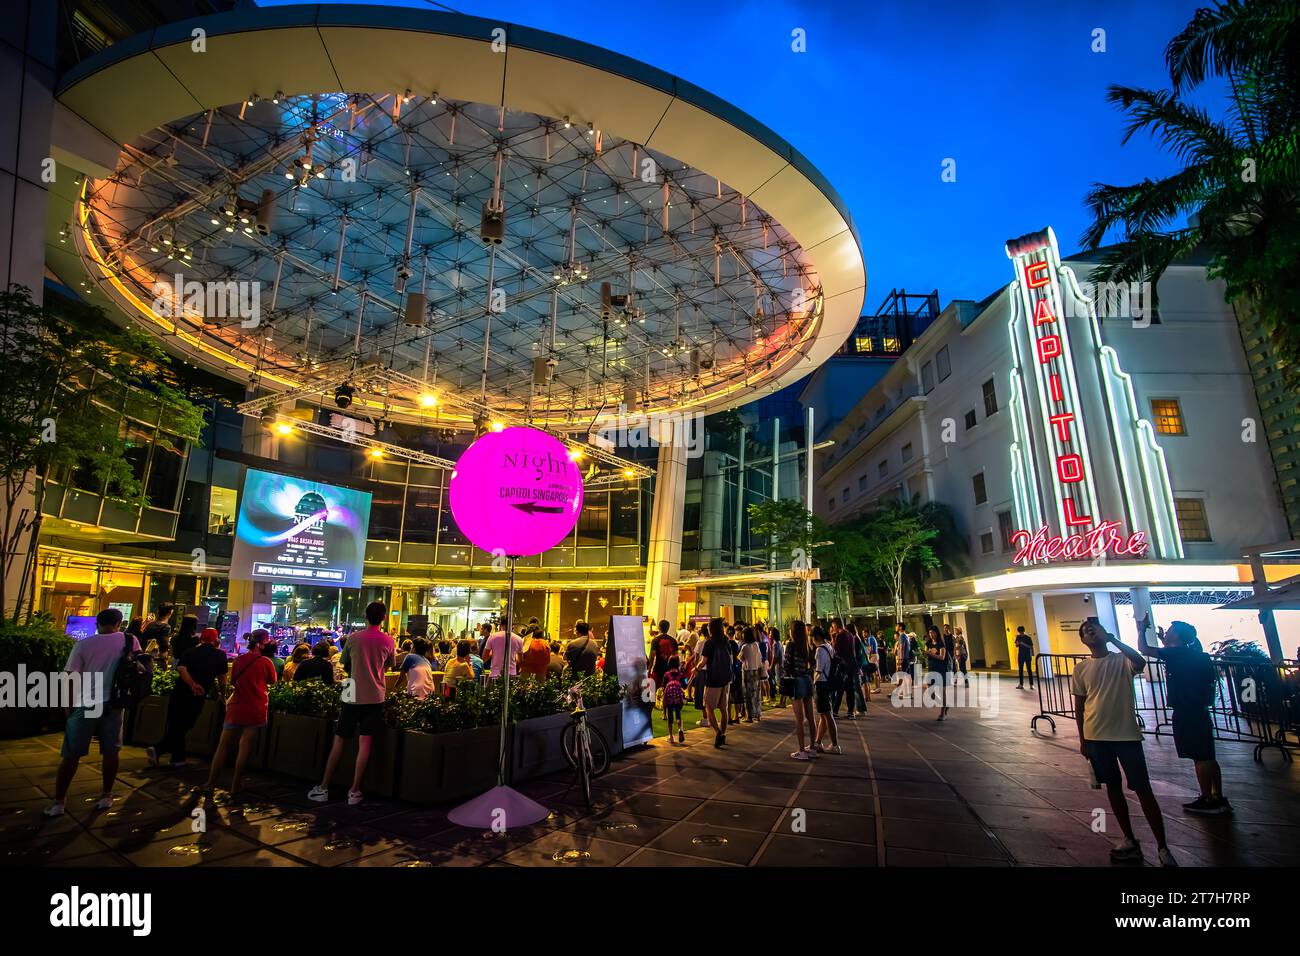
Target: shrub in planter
<point x="40" y="647"/>
<point x="302" y="715"/>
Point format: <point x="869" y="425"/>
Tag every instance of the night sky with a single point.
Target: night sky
<point x="888" y="90"/>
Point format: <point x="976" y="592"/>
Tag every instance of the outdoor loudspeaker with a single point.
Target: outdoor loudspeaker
<point x="266" y="213"/>
<point x="492" y="228"/>
<point x="416" y="305"/>
<point x="543" y="369"/>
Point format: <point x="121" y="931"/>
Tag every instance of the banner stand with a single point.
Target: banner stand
<point x="502" y="807"/>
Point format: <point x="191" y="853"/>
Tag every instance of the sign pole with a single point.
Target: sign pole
<point x="505" y="674"/>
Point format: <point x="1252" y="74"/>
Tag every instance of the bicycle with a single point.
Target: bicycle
<point x="584" y="746"/>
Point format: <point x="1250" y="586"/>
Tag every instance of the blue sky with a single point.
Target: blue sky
<point x="889" y="89"/>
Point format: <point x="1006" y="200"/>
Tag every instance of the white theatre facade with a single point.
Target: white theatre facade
<point x="1095" y="465"/>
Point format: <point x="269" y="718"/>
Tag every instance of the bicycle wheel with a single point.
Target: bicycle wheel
<point x="599" y="751"/>
<point x="584" y="781"/>
<point x="568" y="744"/>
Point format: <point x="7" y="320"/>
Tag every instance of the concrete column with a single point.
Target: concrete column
<point x="551" y="619"/>
<point x="1105" y="611"/>
<point x="1141" y="598"/>
<point x="664" y="561"/>
<point x="1041" y="633"/>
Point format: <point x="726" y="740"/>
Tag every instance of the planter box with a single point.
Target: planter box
<point x="608" y="719"/>
<point x="297" y="745"/>
<point x="202" y="738"/>
<point x="537" y="747"/>
<point x="380" y="778"/>
<point x="25" y="721"/>
<point x="439" y="768"/>
<point x="148" y="722"/>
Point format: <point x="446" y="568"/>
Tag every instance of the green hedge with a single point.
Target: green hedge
<point x="40" y="645"/>
<point x="472" y="707"/>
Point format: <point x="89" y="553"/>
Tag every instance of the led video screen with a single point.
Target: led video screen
<point x="295" y="530"/>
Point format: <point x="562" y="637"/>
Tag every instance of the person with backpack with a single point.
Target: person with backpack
<point x="674" y="698"/>
<point x="847" y="668"/>
<point x="828" y="677"/>
<point x="159" y="629"/>
<point x="251" y="675"/>
<point x="198" y="670"/>
<point x="1192" y="679"/>
<point x="716" y="657"/>
<point x="796" y="683"/>
<point x="961" y="654"/>
<point x="98" y="662"/>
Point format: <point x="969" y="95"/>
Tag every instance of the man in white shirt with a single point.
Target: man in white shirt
<point x="1109" y="735"/>
<point x="493" y="652"/>
<point x="94" y="659"/>
<point x="683" y="635"/>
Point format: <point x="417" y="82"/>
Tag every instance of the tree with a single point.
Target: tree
<point x="878" y="548"/>
<point x="791" y="529"/>
<point x="1239" y="187"/>
<point x="54" y="421"/>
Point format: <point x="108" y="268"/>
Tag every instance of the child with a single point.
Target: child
<point x="674" y="698"/>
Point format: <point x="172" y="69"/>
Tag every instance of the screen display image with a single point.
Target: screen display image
<point x="79" y="627"/>
<point x="293" y="529"/>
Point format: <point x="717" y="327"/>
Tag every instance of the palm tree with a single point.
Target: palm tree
<point x="1238" y="191"/>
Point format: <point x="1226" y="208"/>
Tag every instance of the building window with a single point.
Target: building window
<point x="1005" y="529"/>
<point x="977" y="483"/>
<point x="889" y="344"/>
<point x="862" y="343"/>
<point x="221" y="510"/>
<point x="942" y="364"/>
<point x="832" y="506"/>
<point x="990" y="399"/>
<point x="927" y="378"/>
<point x="845" y="495"/>
<point x="883" y="468"/>
<point x="907" y="452"/>
<point x="862" y="483"/>
<point x="1192" y="523"/>
<point x="986" y="542"/>
<point x="971" y="420"/>
<point x="1168" y="415"/>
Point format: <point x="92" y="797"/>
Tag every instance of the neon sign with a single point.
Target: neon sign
<point x="1054" y="482"/>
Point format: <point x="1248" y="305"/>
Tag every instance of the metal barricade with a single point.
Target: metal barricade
<point x="1055" y="698"/>
<point x="1255" y="701"/>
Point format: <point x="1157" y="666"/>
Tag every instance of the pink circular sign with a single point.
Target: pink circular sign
<point x="516" y="491"/>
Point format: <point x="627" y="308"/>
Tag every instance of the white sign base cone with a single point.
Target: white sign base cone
<point x="501" y="808"/>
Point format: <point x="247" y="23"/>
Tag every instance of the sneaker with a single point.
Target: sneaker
<point x="355" y="797"/>
<point x="722" y="740"/>
<point x="801" y="755"/>
<point x="318" y="793"/>
<point x="53" y="810"/>
<point x="717" y="740"/>
<point x="1167" y="858"/>
<point x="835" y="750"/>
<point x="105" y="802"/>
<point x="152" y="754"/>
<point x="681" y="734"/>
<point x="1223" y="807"/>
<point x="1201" y="805"/>
<point x="1127" y="850"/>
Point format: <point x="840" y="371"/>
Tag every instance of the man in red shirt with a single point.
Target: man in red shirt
<point x="367" y="655"/>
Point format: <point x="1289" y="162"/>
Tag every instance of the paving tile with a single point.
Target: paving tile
<point x="746" y="816"/>
<point x="788" y="851"/>
<point x="708" y="841"/>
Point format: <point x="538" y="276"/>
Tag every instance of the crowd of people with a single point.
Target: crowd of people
<point x="730" y="672"/>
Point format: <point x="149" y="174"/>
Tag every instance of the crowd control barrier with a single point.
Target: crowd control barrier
<point x="1255" y="701"/>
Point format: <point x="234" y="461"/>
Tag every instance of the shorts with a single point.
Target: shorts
<point x="673" y="712"/>
<point x="716" y="696"/>
<point x="1193" y="734"/>
<point x="1108" y="756"/>
<point x="797" y="688"/>
<point x="235" y="725"/>
<point x="79" y="729"/>
<point x="823" y="689"/>
<point x="368" y="719"/>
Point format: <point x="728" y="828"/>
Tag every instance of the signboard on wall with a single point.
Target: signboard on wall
<point x="625" y="652"/>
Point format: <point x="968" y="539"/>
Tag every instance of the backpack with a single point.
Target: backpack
<point x="719" y="671"/>
<point x="132" y="678"/>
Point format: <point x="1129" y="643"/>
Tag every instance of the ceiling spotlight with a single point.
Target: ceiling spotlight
<point x="628" y="473"/>
<point x="153" y="247"/>
<point x="591" y="129"/>
<point x="252" y="100"/>
<point x="343" y="395"/>
<point x="567" y="124"/>
<point x="283" y="428"/>
<point x="376" y="453"/>
<point x="278" y="96"/>
<point x="498" y="426"/>
<point x="428" y="400"/>
<point x="215" y="221"/>
<point x="433" y="97"/>
<point x="575" y="454"/>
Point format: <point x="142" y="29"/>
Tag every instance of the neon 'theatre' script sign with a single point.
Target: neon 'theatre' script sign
<point x="1079" y="533"/>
